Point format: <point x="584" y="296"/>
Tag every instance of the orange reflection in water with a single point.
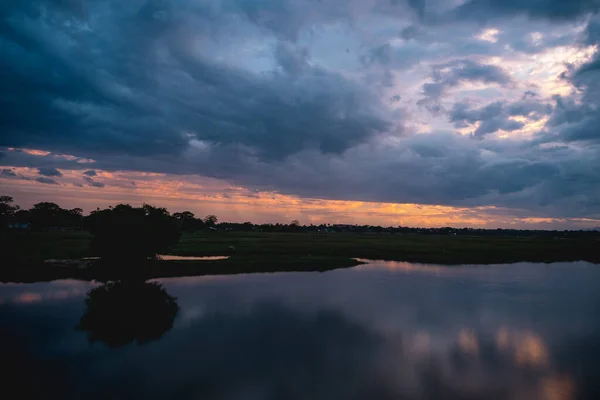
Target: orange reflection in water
<point x="421" y="343"/>
<point x="557" y="388"/>
<point x="528" y="349"/>
<point x="28" y="297"/>
<point x="467" y="342"/>
<point x="403" y="266"/>
<point x="61" y="294"/>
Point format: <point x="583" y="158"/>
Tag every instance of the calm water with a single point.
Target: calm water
<point x="382" y="331"/>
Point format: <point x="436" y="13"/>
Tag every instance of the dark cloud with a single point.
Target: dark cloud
<point x="95" y="96"/>
<point x="559" y="10"/>
<point x="9" y="173"/>
<point x="439" y="168"/>
<point x="49" y="172"/>
<point x="574" y="121"/>
<point x="93" y="183"/>
<point x="497" y="116"/>
<point x="90" y="172"/>
<point x="454" y="73"/>
<point x="287" y="18"/>
<point x="47" y="181"/>
<point x="445" y="43"/>
<point x="576" y="116"/>
<point x="586" y="74"/>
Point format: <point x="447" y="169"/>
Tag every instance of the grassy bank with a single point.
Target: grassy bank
<point x="39" y="272"/>
<point x="449" y="250"/>
<point x="266" y="252"/>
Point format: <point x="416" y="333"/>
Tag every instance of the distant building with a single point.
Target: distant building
<point x="19" y="225"/>
<point x="343" y="227"/>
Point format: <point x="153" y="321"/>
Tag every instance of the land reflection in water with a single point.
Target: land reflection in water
<point x="379" y="331"/>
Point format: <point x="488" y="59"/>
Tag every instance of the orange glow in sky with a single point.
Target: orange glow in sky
<point x="205" y="196"/>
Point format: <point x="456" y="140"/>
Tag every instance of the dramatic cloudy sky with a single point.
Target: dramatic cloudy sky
<point x="412" y="112"/>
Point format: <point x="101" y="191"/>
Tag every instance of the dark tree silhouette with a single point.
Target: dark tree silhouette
<point x="45" y="215"/>
<point x="125" y="233"/>
<point x="211" y="220"/>
<point x="124" y="312"/>
<point x="184" y="215"/>
<point x="187" y="222"/>
<point x="7" y="211"/>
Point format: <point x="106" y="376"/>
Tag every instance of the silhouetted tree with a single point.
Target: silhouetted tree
<point x="22" y="216"/>
<point x="184" y="215"/>
<point x="125" y="233"/>
<point x="187" y="222"/>
<point x="7" y="211"/>
<point x="45" y="215"/>
<point x="76" y="212"/>
<point x="211" y="220"/>
<point x="123" y="312"/>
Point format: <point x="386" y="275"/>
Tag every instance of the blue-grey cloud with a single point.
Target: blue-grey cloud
<point x="576" y="116"/>
<point x="497" y="116"/>
<point x="90" y="172"/>
<point x="49" y="172"/>
<point x="7" y="173"/>
<point x="102" y="93"/>
<point x="559" y="10"/>
<point x="97" y="184"/>
<point x="93" y="183"/>
<point x="454" y="73"/>
<point x="47" y="181"/>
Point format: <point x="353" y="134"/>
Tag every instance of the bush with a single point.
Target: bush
<point x="125" y="233"/>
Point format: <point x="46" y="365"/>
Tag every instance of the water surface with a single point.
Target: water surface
<point x="381" y="331"/>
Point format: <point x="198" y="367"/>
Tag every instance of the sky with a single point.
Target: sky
<point x="466" y="113"/>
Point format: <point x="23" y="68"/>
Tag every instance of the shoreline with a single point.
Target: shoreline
<point x="88" y="270"/>
<point x="73" y="269"/>
<point x="24" y="260"/>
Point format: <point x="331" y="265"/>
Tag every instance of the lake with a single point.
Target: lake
<point x="385" y="330"/>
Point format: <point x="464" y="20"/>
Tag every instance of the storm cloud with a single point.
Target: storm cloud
<point x="559" y="10"/>
<point x="498" y="115"/>
<point x="47" y="181"/>
<point x="386" y="101"/>
<point x="49" y="172"/>
<point x="92" y="182"/>
<point x="449" y="75"/>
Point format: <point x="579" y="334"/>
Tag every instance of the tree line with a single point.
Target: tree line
<point x="45" y="216"/>
<point x="50" y="216"/>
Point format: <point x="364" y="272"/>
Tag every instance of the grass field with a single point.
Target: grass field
<point x="415" y="248"/>
<point x="270" y="252"/>
<point x="31" y="247"/>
